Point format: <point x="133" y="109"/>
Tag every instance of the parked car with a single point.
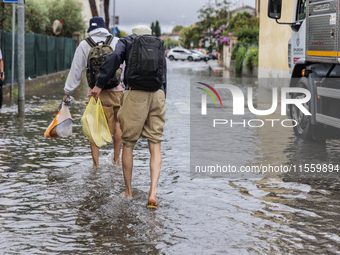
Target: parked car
<point x="182" y="54"/>
<point x="213" y="54"/>
<point x="201" y="55"/>
<point x="166" y="52"/>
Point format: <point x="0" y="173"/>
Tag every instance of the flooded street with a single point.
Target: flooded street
<point x="52" y="201"/>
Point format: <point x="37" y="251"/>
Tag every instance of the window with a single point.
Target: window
<point x="301" y="10"/>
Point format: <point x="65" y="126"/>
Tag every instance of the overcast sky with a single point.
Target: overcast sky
<point x="169" y="13"/>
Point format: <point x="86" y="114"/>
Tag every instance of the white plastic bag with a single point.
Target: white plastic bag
<point x="61" y="126"/>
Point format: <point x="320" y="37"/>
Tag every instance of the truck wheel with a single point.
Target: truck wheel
<point x="171" y="58"/>
<point x="304" y="128"/>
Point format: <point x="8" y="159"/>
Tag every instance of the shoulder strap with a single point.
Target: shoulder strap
<point x="133" y="36"/>
<point x="108" y="40"/>
<point x="90" y="41"/>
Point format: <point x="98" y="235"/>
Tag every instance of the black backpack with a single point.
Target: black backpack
<point x="146" y="62"/>
<point x="96" y="58"/>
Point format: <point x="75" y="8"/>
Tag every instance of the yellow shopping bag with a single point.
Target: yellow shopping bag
<point x="94" y="124"/>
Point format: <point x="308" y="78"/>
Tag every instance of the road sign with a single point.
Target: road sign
<point x="10" y="1"/>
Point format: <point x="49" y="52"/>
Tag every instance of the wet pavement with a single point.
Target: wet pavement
<point x="52" y="201"/>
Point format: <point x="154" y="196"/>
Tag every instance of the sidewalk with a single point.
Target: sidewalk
<point x="36" y="81"/>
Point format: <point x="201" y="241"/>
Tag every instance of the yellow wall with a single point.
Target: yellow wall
<point x="273" y="43"/>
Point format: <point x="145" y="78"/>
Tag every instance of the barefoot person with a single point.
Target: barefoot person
<point x="111" y="94"/>
<point x="142" y="111"/>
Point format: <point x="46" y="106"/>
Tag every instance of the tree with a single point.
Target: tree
<point x="207" y="16"/>
<point x="69" y="12"/>
<point x="40" y="15"/>
<point x="222" y="13"/>
<point x="5" y="16"/>
<point x="177" y="28"/>
<point x="36" y="17"/>
<point x="191" y="34"/>
<point x="245" y="27"/>
<point x="153" y="28"/>
<point x="157" y="29"/>
<point x="122" y="34"/>
<point x="93" y="7"/>
<point x="107" y="15"/>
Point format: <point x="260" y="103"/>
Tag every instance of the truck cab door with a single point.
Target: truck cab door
<point x="298" y="41"/>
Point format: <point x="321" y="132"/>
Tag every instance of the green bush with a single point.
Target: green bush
<point x="252" y="58"/>
<point x="240" y="55"/>
<point x="248" y="35"/>
<point x="233" y="52"/>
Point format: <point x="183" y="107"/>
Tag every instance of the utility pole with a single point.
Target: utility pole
<point x="21" y="58"/>
<point x="13" y="45"/>
<point x="114" y="17"/>
<point x="183" y="31"/>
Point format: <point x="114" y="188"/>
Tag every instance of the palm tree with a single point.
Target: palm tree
<point x="106" y="11"/>
<point x="93" y="7"/>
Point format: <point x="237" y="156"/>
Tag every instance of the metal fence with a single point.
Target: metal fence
<point x="43" y="54"/>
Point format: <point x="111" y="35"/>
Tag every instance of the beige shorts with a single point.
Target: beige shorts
<point x="111" y="104"/>
<point x="142" y="113"/>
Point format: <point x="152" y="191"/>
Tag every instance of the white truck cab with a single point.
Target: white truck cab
<point x="314" y="64"/>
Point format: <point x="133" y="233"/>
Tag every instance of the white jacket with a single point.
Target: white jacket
<point x="80" y="60"/>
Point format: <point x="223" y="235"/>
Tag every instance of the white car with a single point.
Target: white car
<point x="182" y="54"/>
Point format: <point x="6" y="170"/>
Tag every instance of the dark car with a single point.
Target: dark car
<point x="213" y="54"/>
<point x="201" y="55"/>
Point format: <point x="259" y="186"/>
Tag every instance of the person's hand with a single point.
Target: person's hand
<point x="96" y="91"/>
<point x="2" y="76"/>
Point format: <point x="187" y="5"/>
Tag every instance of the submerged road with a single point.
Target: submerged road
<point x="52" y="201"/>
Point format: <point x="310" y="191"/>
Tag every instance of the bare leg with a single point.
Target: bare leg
<point x="155" y="168"/>
<point x="127" y="160"/>
<point x="95" y="154"/>
<point x="117" y="142"/>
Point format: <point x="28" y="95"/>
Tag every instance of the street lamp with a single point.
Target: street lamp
<point x="172" y="32"/>
<point x="183" y="30"/>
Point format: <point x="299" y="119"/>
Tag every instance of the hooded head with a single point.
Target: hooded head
<point x="96" y="22"/>
<point x="141" y="30"/>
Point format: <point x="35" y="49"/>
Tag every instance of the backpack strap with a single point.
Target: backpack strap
<point x="133" y="36"/>
<point x="108" y="40"/>
<point x="90" y="41"/>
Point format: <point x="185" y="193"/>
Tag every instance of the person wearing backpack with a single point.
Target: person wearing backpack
<point x="143" y="105"/>
<point x="89" y="55"/>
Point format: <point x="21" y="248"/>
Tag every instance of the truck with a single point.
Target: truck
<point x="314" y="62"/>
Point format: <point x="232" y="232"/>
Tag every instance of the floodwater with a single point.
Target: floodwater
<point x="52" y="201"/>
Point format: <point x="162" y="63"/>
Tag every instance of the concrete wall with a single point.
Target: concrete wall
<point x="273" y="43"/>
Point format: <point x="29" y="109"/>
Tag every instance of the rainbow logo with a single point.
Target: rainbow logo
<point x="209" y="93"/>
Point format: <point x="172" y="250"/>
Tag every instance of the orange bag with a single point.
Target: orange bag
<point x="61" y="126"/>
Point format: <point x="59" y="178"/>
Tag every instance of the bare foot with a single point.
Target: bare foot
<point x="152" y="199"/>
<point x="117" y="161"/>
<point x="125" y="194"/>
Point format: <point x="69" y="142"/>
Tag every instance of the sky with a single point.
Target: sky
<point x="168" y="13"/>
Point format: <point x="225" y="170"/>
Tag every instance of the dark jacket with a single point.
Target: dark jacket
<point x="116" y="58"/>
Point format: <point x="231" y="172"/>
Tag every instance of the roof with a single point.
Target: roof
<point x="243" y="7"/>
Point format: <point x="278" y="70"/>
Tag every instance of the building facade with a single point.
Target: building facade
<point x="273" y="42"/>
